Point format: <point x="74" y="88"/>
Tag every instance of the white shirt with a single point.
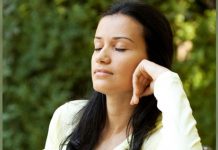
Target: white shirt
<point x="176" y="131"/>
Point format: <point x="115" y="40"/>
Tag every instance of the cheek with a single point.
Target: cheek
<point x="126" y="71"/>
<point x="92" y="61"/>
<point x="127" y="68"/>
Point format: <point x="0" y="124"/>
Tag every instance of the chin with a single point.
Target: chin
<point x="101" y="89"/>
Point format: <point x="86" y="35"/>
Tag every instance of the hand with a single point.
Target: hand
<point x="143" y="79"/>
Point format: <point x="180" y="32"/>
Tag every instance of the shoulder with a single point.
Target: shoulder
<point x="67" y="111"/>
<point x="62" y="123"/>
<point x="73" y="105"/>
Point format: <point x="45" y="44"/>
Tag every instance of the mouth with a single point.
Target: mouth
<point x="102" y="72"/>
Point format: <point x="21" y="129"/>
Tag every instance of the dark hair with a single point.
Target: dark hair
<point x="159" y="45"/>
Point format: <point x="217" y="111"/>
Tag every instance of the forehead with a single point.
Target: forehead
<point x="119" y="25"/>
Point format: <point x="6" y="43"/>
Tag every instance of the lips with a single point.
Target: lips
<point x="102" y="72"/>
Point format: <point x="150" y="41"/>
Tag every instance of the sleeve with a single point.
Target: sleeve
<point x="179" y="130"/>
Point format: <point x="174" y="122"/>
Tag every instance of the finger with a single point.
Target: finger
<point x="149" y="90"/>
<point x="136" y="90"/>
<point x="143" y="85"/>
<point x="152" y="69"/>
<point x="136" y="93"/>
<point x="145" y="74"/>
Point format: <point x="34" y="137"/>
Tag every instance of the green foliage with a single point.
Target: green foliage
<point x="47" y="50"/>
<point x="198" y="73"/>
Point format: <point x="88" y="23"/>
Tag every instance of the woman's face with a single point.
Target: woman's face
<point x="119" y="47"/>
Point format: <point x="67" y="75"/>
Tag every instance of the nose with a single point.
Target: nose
<point x="103" y="56"/>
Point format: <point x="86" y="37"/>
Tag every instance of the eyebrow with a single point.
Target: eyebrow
<point x="116" y="38"/>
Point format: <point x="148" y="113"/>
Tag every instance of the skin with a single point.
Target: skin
<point x="121" y="71"/>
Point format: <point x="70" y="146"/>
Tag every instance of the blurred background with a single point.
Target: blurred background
<point x="47" y="50"/>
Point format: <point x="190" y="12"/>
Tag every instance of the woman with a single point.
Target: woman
<point x="138" y="102"/>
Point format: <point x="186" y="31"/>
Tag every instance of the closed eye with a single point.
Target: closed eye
<point x="97" y="49"/>
<point x="117" y="49"/>
<point x="120" y="49"/>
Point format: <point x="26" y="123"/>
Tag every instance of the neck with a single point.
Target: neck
<point x="119" y="112"/>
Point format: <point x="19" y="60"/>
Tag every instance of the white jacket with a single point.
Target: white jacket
<point x="176" y="131"/>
